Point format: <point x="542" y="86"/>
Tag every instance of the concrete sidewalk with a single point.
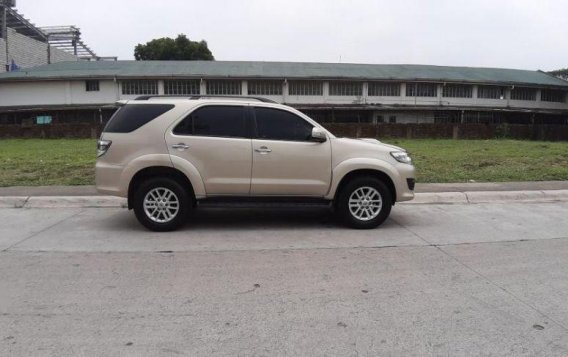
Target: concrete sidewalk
<point x="83" y="197"/>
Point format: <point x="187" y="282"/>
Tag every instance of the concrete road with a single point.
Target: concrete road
<point x="434" y="280"/>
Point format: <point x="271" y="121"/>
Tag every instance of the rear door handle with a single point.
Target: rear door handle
<point x="180" y="146"/>
<point x="263" y="150"/>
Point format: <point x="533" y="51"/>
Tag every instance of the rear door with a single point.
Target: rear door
<point x="285" y="161"/>
<point x="216" y="140"/>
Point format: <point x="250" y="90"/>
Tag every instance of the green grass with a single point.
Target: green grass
<point x="37" y="162"/>
<point x="34" y="162"/>
<point x="487" y="160"/>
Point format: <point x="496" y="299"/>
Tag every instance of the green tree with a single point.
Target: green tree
<point x="169" y="49"/>
<point x="560" y="73"/>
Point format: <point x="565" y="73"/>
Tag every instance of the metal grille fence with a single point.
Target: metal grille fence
<point x="176" y="87"/>
<point x="378" y="89"/>
<point x="139" y="87"/>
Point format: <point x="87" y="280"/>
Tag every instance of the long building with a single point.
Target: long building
<point x="85" y="91"/>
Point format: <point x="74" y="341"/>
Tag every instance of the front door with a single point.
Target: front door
<point x="285" y="161"/>
<point x="215" y="139"/>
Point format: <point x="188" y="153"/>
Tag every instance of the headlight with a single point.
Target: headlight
<point x="401" y="156"/>
<point x="102" y="147"/>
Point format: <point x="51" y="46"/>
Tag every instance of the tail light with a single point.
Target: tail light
<point x="102" y="147"/>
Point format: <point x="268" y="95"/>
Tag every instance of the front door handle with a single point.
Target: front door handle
<point x="263" y="150"/>
<point x="180" y="146"/>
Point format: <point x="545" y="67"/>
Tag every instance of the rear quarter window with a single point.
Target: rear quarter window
<point x="132" y="116"/>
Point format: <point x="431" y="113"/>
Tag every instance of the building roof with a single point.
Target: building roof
<point x="281" y="70"/>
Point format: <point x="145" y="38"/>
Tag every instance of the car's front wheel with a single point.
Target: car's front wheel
<point x="161" y="204"/>
<point x="364" y="202"/>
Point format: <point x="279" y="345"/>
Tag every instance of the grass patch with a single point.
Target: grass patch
<point x="34" y="162"/>
<point x="487" y="160"/>
<point x="38" y="162"/>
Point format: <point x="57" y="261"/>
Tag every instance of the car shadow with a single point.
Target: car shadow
<point x="238" y="219"/>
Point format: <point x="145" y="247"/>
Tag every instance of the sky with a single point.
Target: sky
<point x="524" y="34"/>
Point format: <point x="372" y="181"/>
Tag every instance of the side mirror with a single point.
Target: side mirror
<point x="318" y="135"/>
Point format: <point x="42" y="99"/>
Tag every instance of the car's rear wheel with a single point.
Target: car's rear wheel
<point x="161" y="204"/>
<point x="364" y="202"/>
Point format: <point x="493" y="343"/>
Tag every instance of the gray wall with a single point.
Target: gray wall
<point x="27" y="52"/>
<point x="2" y="55"/>
<point x="58" y="55"/>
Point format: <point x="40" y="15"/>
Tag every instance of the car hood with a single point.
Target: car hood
<point x="377" y="142"/>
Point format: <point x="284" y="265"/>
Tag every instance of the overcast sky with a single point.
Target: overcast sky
<point x="527" y="34"/>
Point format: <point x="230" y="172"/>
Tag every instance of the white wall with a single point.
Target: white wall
<point x="55" y="93"/>
<point x="73" y="92"/>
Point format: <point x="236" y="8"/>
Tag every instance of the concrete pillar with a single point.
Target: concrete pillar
<point x="244" y="88"/>
<point x="202" y="87"/>
<point x="365" y="93"/>
<point x="403" y="89"/>
<point x="325" y="91"/>
<point x="285" y="91"/>
<point x="161" y="90"/>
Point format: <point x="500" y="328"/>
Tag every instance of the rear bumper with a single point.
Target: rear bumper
<point x="107" y="179"/>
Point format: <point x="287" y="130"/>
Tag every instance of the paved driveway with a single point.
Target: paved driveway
<point x="433" y="280"/>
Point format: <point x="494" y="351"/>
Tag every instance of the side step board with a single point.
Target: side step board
<point x="266" y="201"/>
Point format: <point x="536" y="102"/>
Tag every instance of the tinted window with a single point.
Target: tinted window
<point x="132" y="116"/>
<point x="277" y="124"/>
<point x="223" y="121"/>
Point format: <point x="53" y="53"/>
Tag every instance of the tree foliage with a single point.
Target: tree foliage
<point x="560" y="73"/>
<point x="169" y="49"/>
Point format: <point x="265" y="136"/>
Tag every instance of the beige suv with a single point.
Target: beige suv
<point x="168" y="154"/>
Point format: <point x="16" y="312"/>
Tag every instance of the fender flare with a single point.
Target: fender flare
<point x="347" y="166"/>
<point x="164" y="160"/>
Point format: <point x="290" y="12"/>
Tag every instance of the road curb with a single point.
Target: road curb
<point x="474" y="197"/>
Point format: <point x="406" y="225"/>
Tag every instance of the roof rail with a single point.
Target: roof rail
<point x="194" y="97"/>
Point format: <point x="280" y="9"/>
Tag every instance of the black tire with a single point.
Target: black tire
<point x="342" y="203"/>
<point x="184" y="199"/>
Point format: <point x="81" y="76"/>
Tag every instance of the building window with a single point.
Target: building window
<point x="421" y="89"/>
<point x="92" y="86"/>
<point x="181" y="87"/>
<point x="139" y="87"/>
<point x="490" y="92"/>
<point x="350" y="89"/>
<point x="457" y="91"/>
<point x="378" y="89"/>
<point x="551" y="95"/>
<point x="305" y="88"/>
<point x="519" y="93"/>
<point x="392" y="119"/>
<point x="265" y="88"/>
<point x="380" y="119"/>
<point x="224" y="87"/>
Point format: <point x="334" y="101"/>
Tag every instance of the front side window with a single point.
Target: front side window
<point x="275" y="124"/>
<point x="221" y="121"/>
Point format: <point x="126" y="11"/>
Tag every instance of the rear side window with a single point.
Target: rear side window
<point x="274" y="124"/>
<point x="222" y="121"/>
<point x="132" y="116"/>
